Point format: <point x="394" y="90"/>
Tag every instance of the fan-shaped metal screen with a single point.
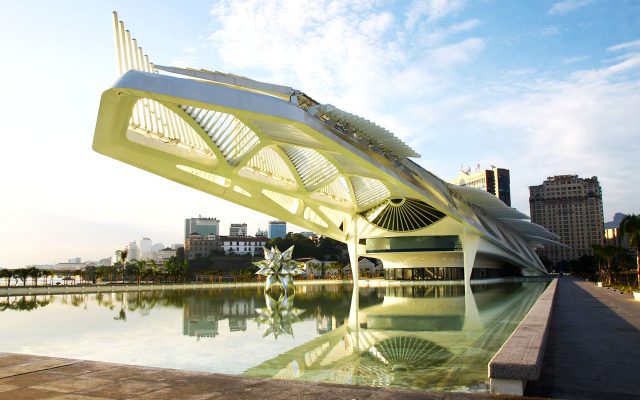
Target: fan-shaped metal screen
<point x="404" y="353"/>
<point x="403" y="215"/>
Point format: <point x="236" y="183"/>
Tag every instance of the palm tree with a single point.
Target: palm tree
<point x="630" y="226"/>
<point x="23" y="274"/>
<point x="154" y="270"/>
<point x="35" y="273"/>
<point x="606" y="253"/>
<point x="6" y="274"/>
<point x="139" y="268"/>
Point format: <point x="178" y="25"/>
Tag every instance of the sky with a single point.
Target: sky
<point x="541" y="88"/>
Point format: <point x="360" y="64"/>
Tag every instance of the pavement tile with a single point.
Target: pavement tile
<point x="119" y="373"/>
<point x="74" y="384"/>
<point x="83" y="367"/>
<point x="32" y="379"/>
<point x="28" y="394"/>
<point x="4" y="387"/>
<point x="77" y="397"/>
<point x="124" y="389"/>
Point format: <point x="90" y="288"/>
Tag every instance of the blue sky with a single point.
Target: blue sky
<point x="538" y="87"/>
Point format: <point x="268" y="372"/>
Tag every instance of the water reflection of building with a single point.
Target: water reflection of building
<point x="327" y="323"/>
<point x="420" y="336"/>
<point x="201" y="315"/>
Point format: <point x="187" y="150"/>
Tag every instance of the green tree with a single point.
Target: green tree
<point x="607" y="254"/>
<point x="35" y="273"/>
<point x="22" y="274"/>
<point x="6" y="274"/>
<point x="138" y="269"/>
<point x="154" y="270"/>
<point x="630" y="226"/>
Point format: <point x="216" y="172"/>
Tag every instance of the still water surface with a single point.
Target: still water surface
<point x="418" y="336"/>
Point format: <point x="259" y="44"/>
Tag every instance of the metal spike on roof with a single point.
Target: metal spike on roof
<point x="377" y="135"/>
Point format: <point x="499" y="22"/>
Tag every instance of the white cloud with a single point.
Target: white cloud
<point x="634" y="44"/>
<point x="353" y="54"/>
<point x="458" y="53"/>
<point x="581" y="125"/>
<point x="566" y="6"/>
<point x="576" y="59"/>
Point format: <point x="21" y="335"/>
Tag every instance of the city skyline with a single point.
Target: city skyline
<point x="540" y="89"/>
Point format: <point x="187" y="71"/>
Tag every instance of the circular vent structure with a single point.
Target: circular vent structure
<point x="402" y="215"/>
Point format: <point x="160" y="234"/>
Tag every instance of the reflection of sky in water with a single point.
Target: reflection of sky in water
<point x="91" y="332"/>
<point x="216" y="331"/>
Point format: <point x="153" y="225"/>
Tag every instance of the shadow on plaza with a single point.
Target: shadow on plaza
<point x="592" y="352"/>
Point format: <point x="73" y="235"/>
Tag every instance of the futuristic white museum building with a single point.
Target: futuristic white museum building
<point x="278" y="151"/>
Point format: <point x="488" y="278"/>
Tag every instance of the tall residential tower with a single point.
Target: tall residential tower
<point x="495" y="181"/>
<point x="570" y="207"/>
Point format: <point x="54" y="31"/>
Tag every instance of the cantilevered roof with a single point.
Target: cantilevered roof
<point x="543" y="241"/>
<point x="376" y="134"/>
<point x="527" y="228"/>
<point x="492" y="205"/>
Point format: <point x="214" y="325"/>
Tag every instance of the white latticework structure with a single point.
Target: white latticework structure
<point x="273" y="149"/>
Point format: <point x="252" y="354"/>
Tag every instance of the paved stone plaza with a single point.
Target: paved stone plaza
<point x="593" y="349"/>
<point x="28" y="377"/>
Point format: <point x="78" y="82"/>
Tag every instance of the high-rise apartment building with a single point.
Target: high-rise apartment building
<point x="570" y="207"/>
<point x="133" y="252"/>
<point x="201" y="226"/>
<point x="277" y="229"/>
<point x="238" y="230"/>
<point x="495" y="181"/>
<point x="145" y="249"/>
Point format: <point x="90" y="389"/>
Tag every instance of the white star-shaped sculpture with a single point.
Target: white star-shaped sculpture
<point x="279" y="268"/>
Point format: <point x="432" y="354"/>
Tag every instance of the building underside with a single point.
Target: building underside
<point x="275" y="150"/>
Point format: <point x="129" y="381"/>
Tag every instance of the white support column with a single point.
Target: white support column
<point x="470" y="242"/>
<point x="352" y="246"/>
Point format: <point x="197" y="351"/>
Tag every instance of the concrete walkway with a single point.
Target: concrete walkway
<point x="29" y="377"/>
<point x="593" y="349"/>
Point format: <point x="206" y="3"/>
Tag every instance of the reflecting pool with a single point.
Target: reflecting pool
<point x="416" y="336"/>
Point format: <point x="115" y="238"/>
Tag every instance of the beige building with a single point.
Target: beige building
<point x="197" y="244"/>
<point x="495" y="181"/>
<point x="570" y="207"/>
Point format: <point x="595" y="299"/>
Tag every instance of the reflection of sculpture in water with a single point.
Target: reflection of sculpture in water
<point x="279" y="315"/>
<point x="279" y="268"/>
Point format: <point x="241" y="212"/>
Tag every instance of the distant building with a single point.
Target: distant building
<point x="277" y="229"/>
<point x="202" y="226"/>
<point x="570" y="207"/>
<point x="202" y="245"/>
<point x="613" y="236"/>
<point x="134" y="252"/>
<point x="262" y="233"/>
<point x="145" y="249"/>
<point x="243" y="245"/>
<point x="70" y="266"/>
<point x="156" y="247"/>
<point x="238" y="230"/>
<point x="76" y="260"/>
<point x="166" y="253"/>
<point x="495" y="181"/>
